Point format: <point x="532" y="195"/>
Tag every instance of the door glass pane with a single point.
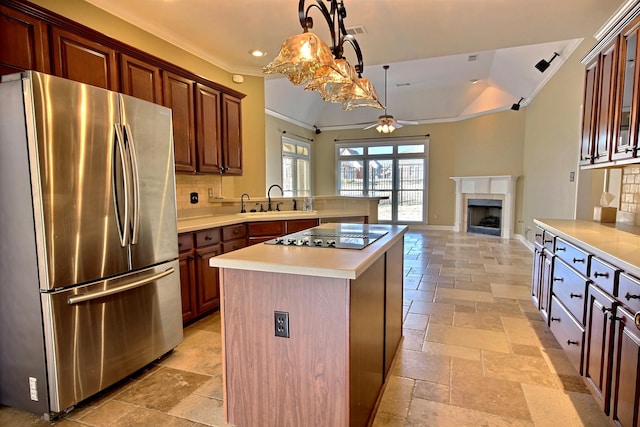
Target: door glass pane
<point x="627" y="91"/>
<point x="287" y="176"/>
<point x="304" y="178"/>
<point x="385" y="206"/>
<point x="381" y="184"/>
<point x="411" y="184"/>
<point x="351" y="177"/>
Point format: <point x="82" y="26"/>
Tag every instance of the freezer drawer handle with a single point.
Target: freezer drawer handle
<point x="132" y="285"/>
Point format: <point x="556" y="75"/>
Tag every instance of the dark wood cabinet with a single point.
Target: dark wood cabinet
<point x="600" y="335"/>
<point x="209" y="139"/>
<point x="295" y="225"/>
<point x="25" y="42"/>
<point x="261" y="231"/>
<point x="625" y="393"/>
<point x="141" y="79"/>
<point x="208" y="288"/>
<point x="608" y="65"/>
<point x="598" y="340"/>
<point x="231" y="135"/>
<point x="83" y="60"/>
<point x="178" y="95"/>
<point x="589" y="111"/>
<point x="186" y="259"/>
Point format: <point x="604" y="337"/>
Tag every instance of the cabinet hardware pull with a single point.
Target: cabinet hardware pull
<point x="549" y="241"/>
<point x="575" y="260"/>
<point x="236" y="231"/>
<point x="614" y="318"/>
<point x="605" y="309"/>
<point x="179" y="244"/>
<point x="538" y="235"/>
<point x="628" y="150"/>
<point x="575" y="295"/>
<point x="596" y="274"/>
<point x="558" y="279"/>
<point x="555" y="319"/>
<point x="560" y="249"/>
<point x="207" y="238"/>
<point x="628" y="296"/>
<point x="569" y="342"/>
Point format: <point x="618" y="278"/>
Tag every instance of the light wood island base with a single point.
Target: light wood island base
<point x="343" y="335"/>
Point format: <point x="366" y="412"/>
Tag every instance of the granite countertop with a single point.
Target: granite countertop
<point x="209" y="221"/>
<point x="312" y="261"/>
<point x="617" y="244"/>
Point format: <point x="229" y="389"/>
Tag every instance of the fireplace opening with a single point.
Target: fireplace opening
<point x="484" y="216"/>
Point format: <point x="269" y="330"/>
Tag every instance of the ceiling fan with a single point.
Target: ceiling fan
<point x="387" y="123"/>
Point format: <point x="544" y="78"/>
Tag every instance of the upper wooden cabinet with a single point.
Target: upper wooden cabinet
<point x="599" y="106"/>
<point x="178" y="95"/>
<point x="80" y="59"/>
<point x="231" y="135"/>
<point x="25" y="42"/>
<point x="207" y="117"/>
<point x="611" y="110"/>
<point x="141" y="79"/>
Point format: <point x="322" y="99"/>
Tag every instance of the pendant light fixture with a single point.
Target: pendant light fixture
<point x="306" y="59"/>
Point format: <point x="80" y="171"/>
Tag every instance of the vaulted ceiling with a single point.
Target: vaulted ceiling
<point x="435" y="49"/>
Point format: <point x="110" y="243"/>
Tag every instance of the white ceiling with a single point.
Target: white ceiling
<point x="427" y="44"/>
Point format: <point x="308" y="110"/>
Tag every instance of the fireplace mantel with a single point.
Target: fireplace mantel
<point x="502" y="187"/>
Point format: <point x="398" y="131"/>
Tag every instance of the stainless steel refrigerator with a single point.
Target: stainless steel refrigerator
<point x="89" y="277"/>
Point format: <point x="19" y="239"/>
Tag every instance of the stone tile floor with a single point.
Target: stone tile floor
<point x="475" y="353"/>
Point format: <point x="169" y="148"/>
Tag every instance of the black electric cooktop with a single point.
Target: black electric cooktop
<point x="343" y="236"/>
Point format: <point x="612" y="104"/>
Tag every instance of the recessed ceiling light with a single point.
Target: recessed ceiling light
<point x="474" y="81"/>
<point x="257" y="53"/>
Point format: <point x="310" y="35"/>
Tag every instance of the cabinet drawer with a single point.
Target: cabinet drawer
<point x="549" y="241"/>
<point x="629" y="292"/>
<point x="538" y="236"/>
<point x="568" y="332"/>
<point x="569" y="288"/>
<point x="267" y="228"/>
<point x="233" y="245"/>
<point x="208" y="237"/>
<point x="231" y="232"/>
<point x="575" y="257"/>
<point x="604" y="275"/>
<point x="185" y="242"/>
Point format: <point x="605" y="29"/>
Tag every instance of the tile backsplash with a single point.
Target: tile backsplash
<point x="630" y="193"/>
<point x="201" y="184"/>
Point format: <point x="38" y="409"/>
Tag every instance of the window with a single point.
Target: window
<point x="395" y="170"/>
<point x="296" y="168"/>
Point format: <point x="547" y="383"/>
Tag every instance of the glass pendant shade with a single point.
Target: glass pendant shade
<point x="386" y="124"/>
<point x="300" y="58"/>
<point x="329" y="79"/>
<point x="361" y="94"/>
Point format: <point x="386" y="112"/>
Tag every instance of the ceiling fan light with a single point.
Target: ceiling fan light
<point x="300" y="57"/>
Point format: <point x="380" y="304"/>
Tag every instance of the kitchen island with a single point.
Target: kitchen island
<point x="309" y="333"/>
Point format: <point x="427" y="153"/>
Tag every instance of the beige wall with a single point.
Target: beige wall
<point x="253" y="120"/>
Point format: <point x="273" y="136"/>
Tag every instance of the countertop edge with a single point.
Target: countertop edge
<point x="239" y="259"/>
<point x="590" y="236"/>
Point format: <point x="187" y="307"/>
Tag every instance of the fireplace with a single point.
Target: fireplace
<point x="498" y="190"/>
<point x="484" y="216"/>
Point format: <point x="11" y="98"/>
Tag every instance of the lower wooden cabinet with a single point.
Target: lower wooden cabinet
<point x="200" y="282"/>
<point x="592" y="314"/>
<point x="261" y="231"/>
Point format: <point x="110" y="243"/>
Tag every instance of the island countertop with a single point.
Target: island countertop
<point x="313" y="261"/>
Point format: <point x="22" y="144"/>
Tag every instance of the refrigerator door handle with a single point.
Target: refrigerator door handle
<point x="76" y="299"/>
<point x="123" y="225"/>
<point x="135" y="185"/>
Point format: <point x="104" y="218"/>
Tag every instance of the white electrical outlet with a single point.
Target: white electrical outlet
<point x="33" y="388"/>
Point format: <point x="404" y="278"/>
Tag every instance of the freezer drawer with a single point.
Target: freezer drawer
<point x="100" y="333"/>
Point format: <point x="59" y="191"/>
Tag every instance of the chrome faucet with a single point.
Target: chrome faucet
<point x="269" y="196"/>
<point x="242" y="209"/>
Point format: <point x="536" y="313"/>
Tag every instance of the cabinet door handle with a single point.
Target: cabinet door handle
<point x="596" y="274"/>
<point x="606" y="309"/>
<point x="560" y="249"/>
<point x="576" y="260"/>
<point x="538" y="235"/>
<point x="575" y="295"/>
<point x="558" y="279"/>
<point x="555" y="319"/>
<point x="548" y="241"/>
<point x="236" y="231"/>
<point x="569" y="342"/>
<point x="208" y="238"/>
<point x="628" y="296"/>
